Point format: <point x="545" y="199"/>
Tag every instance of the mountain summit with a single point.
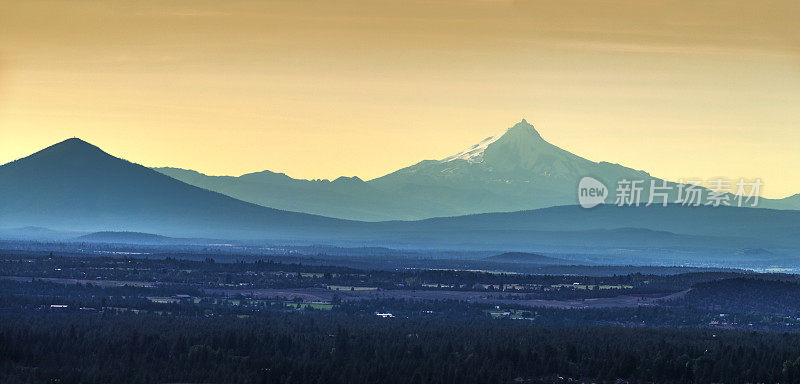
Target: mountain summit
<point x="521" y="153"/>
<point x="516" y="170"/>
<point x="522" y="133"/>
<point x="72" y="151"/>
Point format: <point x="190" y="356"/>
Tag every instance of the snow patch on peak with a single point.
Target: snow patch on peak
<point x="474" y="154"/>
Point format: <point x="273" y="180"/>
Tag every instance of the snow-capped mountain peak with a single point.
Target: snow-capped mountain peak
<point x="474" y="154"/>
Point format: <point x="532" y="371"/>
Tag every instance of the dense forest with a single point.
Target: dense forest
<point x="330" y="347"/>
<point x="747" y="295"/>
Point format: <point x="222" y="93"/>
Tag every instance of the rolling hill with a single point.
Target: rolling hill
<point x="525" y="257"/>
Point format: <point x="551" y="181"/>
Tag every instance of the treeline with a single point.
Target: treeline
<point x="746" y="295"/>
<point x="320" y="347"/>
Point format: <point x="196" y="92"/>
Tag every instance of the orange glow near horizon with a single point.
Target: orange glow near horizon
<point x="316" y="89"/>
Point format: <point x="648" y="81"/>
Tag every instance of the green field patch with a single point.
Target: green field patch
<point x="163" y="300"/>
<point x="309" y="305"/>
<point x="351" y="288"/>
<point x="515" y="314"/>
<point x="615" y="286"/>
<point x="435" y="285"/>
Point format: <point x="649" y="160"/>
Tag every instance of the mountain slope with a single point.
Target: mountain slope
<point x="349" y="198"/>
<point x="75" y="185"/>
<point x="517" y="170"/>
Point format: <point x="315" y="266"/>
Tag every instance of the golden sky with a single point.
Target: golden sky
<point x="319" y="89"/>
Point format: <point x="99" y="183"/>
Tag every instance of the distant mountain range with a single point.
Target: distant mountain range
<point x="75" y="186"/>
<point x="513" y="171"/>
<point x="128" y="238"/>
<point x="524" y="257"/>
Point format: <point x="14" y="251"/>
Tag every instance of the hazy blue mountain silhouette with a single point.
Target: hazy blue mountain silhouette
<point x="516" y="170"/>
<point x="32" y="233"/>
<point x="75" y="186"/>
<point x="688" y="225"/>
<point x="526" y="257"/>
<point x="349" y="198"/>
<point x="127" y="238"/>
